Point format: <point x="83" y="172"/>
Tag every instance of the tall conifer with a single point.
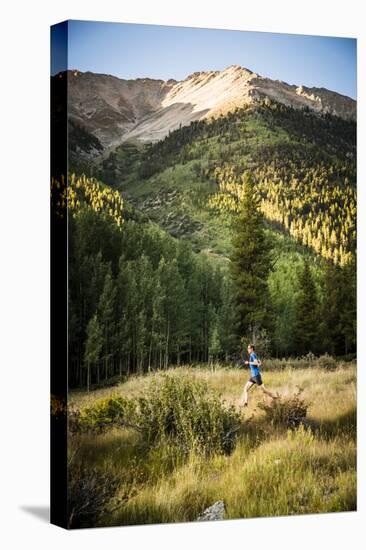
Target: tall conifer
<point x="306" y="325"/>
<point x="250" y="265"/>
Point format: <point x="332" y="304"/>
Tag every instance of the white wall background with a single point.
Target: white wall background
<point x="24" y="272"/>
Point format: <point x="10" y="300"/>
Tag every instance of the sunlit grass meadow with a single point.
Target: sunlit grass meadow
<point x="273" y="470"/>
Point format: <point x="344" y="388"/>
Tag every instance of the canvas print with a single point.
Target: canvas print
<point x="203" y="232"/>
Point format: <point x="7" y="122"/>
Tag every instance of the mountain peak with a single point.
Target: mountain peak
<point x="114" y="109"/>
<point x="237" y="69"/>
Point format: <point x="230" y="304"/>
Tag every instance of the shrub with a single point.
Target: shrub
<point x="286" y="412"/>
<point x="174" y="409"/>
<point x="327" y="362"/>
<point x="186" y="413"/>
<point x="113" y="411"/>
<point x="89" y="492"/>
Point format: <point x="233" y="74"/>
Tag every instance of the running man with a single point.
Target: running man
<point x="256" y="378"/>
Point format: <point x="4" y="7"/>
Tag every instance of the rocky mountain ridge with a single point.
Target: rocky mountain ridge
<point x="114" y="110"/>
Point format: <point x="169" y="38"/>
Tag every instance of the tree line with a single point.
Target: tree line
<point x="140" y="299"/>
<point x="322" y="313"/>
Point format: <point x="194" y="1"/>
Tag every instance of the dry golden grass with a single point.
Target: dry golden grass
<point x="330" y="393"/>
<point x="270" y="472"/>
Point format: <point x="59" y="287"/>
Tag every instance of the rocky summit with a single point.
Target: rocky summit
<point x="114" y="110"/>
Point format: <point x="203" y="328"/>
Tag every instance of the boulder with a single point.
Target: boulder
<point x="213" y="513"/>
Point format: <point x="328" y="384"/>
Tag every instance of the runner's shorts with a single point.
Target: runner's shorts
<point x="256" y="380"/>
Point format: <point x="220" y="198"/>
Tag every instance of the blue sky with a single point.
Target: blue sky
<point x="131" y="51"/>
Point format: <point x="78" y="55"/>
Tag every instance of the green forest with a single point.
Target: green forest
<point x="229" y="230"/>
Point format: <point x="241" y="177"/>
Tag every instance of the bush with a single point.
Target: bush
<point x="185" y="412"/>
<point x="286" y="412"/>
<point x="327" y="362"/>
<point x="174" y="409"/>
<point x="113" y="411"/>
<point x="89" y="492"/>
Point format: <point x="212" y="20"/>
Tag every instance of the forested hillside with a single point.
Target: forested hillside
<point x="149" y="279"/>
<point x="138" y="298"/>
<point x="304" y="166"/>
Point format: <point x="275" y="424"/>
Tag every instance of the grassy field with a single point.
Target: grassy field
<point x="272" y="470"/>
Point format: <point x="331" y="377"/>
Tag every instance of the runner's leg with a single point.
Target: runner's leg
<point x="244" y="397"/>
<point x="267" y="392"/>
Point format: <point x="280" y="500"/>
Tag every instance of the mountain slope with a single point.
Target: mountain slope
<point x="304" y="166"/>
<point x="108" y="106"/>
<point x="190" y="183"/>
<point x="115" y="110"/>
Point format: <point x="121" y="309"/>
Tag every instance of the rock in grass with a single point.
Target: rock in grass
<point x="214" y="512"/>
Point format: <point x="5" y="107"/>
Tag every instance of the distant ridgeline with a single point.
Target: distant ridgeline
<point x="304" y="165"/>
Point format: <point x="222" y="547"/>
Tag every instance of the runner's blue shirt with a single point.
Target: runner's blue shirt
<point x="253" y="368"/>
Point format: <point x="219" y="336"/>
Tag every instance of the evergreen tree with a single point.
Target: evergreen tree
<point x="122" y="342"/>
<point x="214" y="347"/>
<point x="157" y="326"/>
<point x="331" y="311"/>
<point x="106" y="312"/>
<point x="93" y="346"/>
<point x="228" y="339"/>
<point x="348" y="316"/>
<point x="144" y="310"/>
<point x="339" y="309"/>
<point x="283" y="284"/>
<point x="250" y="265"/>
<point x="173" y="308"/>
<point x="306" y="324"/>
<point x="193" y="305"/>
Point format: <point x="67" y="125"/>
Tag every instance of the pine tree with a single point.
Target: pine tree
<point x="93" y="346"/>
<point x="331" y="309"/>
<point x="172" y="307"/>
<point x="106" y="312"/>
<point x="348" y="317"/>
<point x="306" y="325"/>
<point x="131" y="312"/>
<point x="193" y="305"/>
<point x="214" y="345"/>
<point x="250" y="265"/>
<point x="228" y="340"/>
<point x="145" y="280"/>
<point x="157" y="324"/>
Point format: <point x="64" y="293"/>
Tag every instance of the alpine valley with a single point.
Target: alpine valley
<point x="179" y="153"/>
<point x="207" y="230"/>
